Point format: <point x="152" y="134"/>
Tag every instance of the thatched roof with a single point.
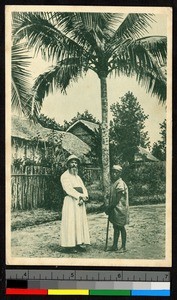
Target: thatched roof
<point x="90" y="125"/>
<point x="142" y="151"/>
<point x="24" y="129"/>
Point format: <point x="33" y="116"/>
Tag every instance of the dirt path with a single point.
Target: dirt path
<point x="145" y="237"/>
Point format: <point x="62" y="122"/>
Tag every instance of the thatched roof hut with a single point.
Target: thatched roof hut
<point x="84" y="130"/>
<point x="25" y="130"/>
<point x="144" y="155"/>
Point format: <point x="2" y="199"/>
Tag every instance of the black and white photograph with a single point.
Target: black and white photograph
<point x="88" y="135"/>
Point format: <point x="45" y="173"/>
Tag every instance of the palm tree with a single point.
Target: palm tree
<point x="105" y="43"/>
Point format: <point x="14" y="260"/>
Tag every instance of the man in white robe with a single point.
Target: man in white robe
<point x="74" y="226"/>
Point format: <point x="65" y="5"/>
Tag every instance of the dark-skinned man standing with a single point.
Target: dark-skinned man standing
<point x="118" y="209"/>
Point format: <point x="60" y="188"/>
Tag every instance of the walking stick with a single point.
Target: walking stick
<point x="107" y="234"/>
<point x="107" y="229"/>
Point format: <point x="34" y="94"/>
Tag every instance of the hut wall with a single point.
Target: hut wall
<point x="21" y="149"/>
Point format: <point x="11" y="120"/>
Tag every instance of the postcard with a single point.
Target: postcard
<point x="88" y="136"/>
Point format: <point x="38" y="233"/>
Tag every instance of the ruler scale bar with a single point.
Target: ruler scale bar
<point x="88" y="275"/>
<point x="87" y="282"/>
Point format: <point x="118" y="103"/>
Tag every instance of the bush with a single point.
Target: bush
<point x="145" y="200"/>
<point x="95" y="192"/>
<point x="146" y="180"/>
<point x="54" y="194"/>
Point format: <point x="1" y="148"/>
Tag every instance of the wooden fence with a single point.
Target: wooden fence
<point x="35" y="186"/>
<point x="28" y="186"/>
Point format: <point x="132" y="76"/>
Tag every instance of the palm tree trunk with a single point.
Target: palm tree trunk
<point x="105" y="140"/>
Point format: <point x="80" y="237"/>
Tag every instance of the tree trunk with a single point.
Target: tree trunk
<point x="105" y="141"/>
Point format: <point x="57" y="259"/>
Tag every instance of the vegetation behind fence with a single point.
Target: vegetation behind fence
<point x="146" y="182"/>
<point x="39" y="187"/>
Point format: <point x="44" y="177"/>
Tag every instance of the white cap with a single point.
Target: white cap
<point x="72" y="156"/>
<point x="117" y="167"/>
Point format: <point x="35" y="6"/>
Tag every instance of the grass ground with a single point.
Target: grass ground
<point x="22" y="219"/>
<point x="145" y="235"/>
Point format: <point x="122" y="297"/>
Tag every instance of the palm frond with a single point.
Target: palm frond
<point x="74" y="22"/>
<point x="90" y="30"/>
<point x="141" y="57"/>
<point x="155" y="85"/>
<point x="78" y="27"/>
<point x="58" y="77"/>
<point x="133" y="27"/>
<point x="156" y="45"/>
<point x="138" y="62"/>
<point x="43" y="36"/>
<point x="20" y="78"/>
<point x="101" y="23"/>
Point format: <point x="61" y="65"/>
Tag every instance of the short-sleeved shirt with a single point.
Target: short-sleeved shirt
<point x="119" y="202"/>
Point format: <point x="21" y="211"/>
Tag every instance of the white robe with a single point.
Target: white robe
<point x="74" y="226"/>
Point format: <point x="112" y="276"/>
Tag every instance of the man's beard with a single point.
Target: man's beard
<point x="73" y="170"/>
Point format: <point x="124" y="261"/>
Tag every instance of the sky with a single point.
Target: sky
<point x="85" y="95"/>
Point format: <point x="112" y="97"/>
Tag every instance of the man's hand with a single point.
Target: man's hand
<point x="85" y="199"/>
<point x="80" y="202"/>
